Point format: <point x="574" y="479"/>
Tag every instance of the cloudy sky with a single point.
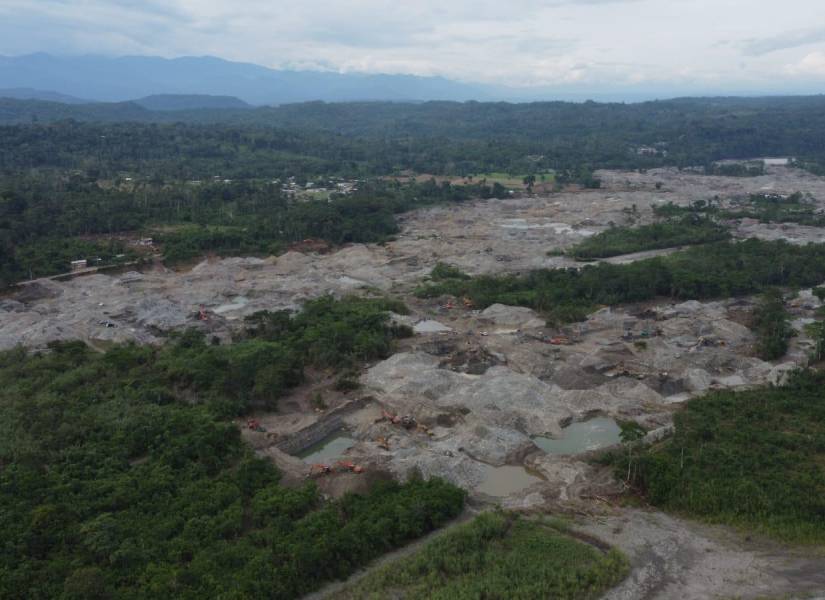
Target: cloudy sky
<point x="758" y="45"/>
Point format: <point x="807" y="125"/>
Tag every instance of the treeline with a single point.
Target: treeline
<point x="767" y="208"/>
<point x="41" y="217"/>
<point x="774" y="208"/>
<point x="751" y="458"/>
<point x="736" y="169"/>
<point x="177" y="152"/>
<point x="366" y="215"/>
<point x="377" y="138"/>
<point x="718" y="270"/>
<point x="772" y="325"/>
<point x="270" y="356"/>
<point x="119" y="477"/>
<point x="689" y="230"/>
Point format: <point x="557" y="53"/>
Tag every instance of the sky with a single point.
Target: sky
<point x="698" y="45"/>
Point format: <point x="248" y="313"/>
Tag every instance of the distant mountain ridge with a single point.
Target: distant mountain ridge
<point x="160" y="102"/>
<point x="45" y="95"/>
<point x="17" y="111"/>
<point x="126" y="78"/>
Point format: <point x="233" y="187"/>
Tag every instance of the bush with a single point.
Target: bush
<point x="751" y="458"/>
<point x="443" y="271"/>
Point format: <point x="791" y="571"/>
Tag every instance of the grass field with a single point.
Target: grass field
<point x="497" y="556"/>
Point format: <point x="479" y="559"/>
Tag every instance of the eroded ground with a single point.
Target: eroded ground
<point x="481" y="386"/>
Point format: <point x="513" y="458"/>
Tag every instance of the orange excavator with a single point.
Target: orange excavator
<point x="382" y="442"/>
<point x="407" y="421"/>
<point x="394" y="419"/>
<point x="345" y="465"/>
<point x="202" y="316"/>
<point x="318" y="470"/>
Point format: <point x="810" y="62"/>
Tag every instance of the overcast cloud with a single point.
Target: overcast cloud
<point x="689" y="44"/>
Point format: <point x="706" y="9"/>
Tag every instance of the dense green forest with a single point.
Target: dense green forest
<point x="218" y="180"/>
<point x="689" y="230"/>
<point x="498" y="555"/>
<point x="430" y="137"/>
<point x="752" y="458"/>
<point x="719" y="270"/>
<point x="120" y="476"/>
<point x="42" y="217"/>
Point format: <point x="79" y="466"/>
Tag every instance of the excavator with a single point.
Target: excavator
<point x="317" y="470"/>
<point x="255" y="425"/>
<point x="345" y="465"/>
<point x="407" y="421"/>
<point x="342" y="466"/>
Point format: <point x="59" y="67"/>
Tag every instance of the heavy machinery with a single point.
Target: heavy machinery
<point x="407" y="421"/>
<point x="345" y="465"/>
<point x="383" y="443"/>
<point x="318" y="470"/>
<point x="255" y="425"/>
<point x="342" y="466"/>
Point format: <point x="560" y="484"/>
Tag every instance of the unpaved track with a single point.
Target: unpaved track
<point x="672" y="558"/>
<point x="675" y="558"/>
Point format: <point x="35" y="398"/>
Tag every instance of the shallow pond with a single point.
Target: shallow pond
<point x="328" y="450"/>
<point x="506" y="480"/>
<point x="582" y="436"/>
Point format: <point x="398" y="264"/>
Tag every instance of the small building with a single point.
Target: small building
<point x="777" y="162"/>
<point x="77" y="265"/>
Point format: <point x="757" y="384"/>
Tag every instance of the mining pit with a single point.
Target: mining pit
<point x="491" y="404"/>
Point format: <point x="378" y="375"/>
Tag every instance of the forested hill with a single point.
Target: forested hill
<point x="19" y="111"/>
<point x="161" y="102"/>
<point x="376" y="138"/>
<point x="466" y="119"/>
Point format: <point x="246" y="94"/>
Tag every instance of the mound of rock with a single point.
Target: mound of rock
<point x="511" y="316"/>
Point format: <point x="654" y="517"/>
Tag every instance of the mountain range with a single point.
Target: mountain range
<point x="69" y="79"/>
<point x="207" y="82"/>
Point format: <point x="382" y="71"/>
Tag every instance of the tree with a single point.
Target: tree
<point x="631" y="433"/>
<point x="529" y="181"/>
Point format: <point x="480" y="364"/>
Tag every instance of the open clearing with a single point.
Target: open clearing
<point x="482" y="385"/>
